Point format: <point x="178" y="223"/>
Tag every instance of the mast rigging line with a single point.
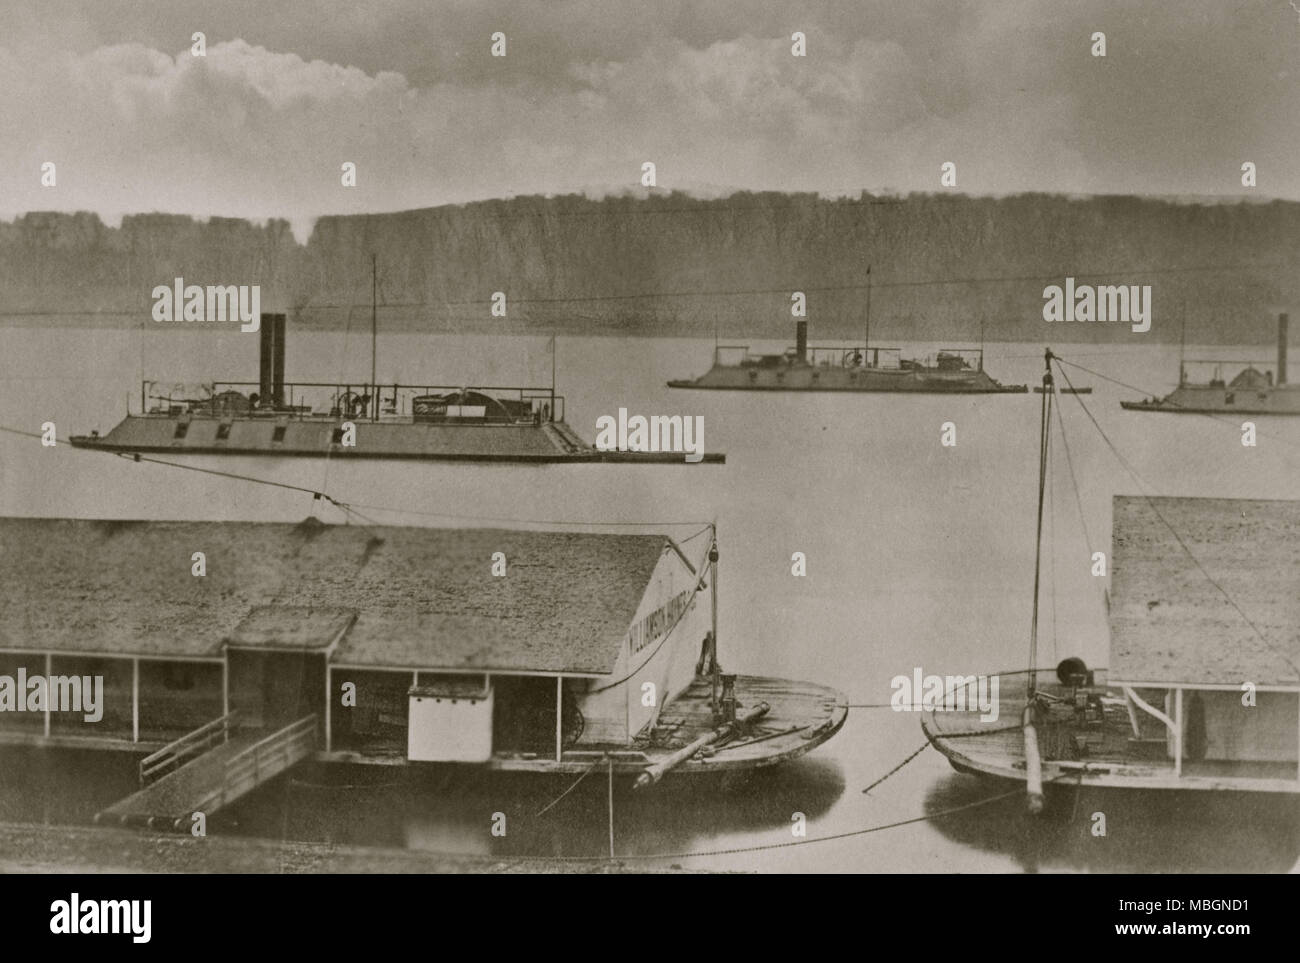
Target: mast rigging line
<point x="352" y="507"/>
<point x="1142" y="483"/>
<point x="1205" y="414"/>
<point x="1245" y="268"/>
<point x="705" y="571"/>
<point x="705" y="526"/>
<point x="929" y="282"/>
<point x="1074" y="483"/>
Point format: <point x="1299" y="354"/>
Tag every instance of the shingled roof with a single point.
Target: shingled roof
<point x="1169" y="624"/>
<point x="388" y="596"/>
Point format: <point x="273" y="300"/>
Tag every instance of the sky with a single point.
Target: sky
<point x="590" y="90"/>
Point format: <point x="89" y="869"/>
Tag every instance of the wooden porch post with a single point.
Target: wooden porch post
<point x="48" y="675"/>
<point x="1178" y="732"/>
<point x="135" y="700"/>
<point x="559" y="717"/>
<point x="329" y="697"/>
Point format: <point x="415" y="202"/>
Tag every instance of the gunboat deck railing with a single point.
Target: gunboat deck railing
<point x="323" y="399"/>
<point x="852" y="356"/>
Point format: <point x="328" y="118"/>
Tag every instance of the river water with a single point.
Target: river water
<point x="918" y="556"/>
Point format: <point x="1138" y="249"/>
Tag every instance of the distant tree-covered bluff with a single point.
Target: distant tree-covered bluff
<point x="943" y="267"/>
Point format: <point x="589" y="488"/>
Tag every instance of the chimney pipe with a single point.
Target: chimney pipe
<point x="1281" y="348"/>
<point x="266" y="352"/>
<point x="801" y="339"/>
<point x="277" y="362"/>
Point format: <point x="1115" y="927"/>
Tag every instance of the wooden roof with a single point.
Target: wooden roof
<point x="388" y="596"/>
<point x="1169" y="624"/>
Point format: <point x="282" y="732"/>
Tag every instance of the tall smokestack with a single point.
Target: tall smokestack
<point x="1282" y="321"/>
<point x="266" y="352"/>
<point x="277" y="362"/>
<point x="801" y="339"/>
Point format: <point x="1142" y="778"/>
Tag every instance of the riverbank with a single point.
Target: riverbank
<point x="33" y="848"/>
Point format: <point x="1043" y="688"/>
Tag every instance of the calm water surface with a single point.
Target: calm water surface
<point x="918" y="556"/>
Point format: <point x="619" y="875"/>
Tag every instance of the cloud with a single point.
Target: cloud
<point x="407" y="91"/>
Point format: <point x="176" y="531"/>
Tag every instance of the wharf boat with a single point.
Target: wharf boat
<point x="1202" y="690"/>
<point x="272" y="418"/>
<point x="393" y="646"/>
<point x="1252" y="390"/>
<point x="860" y="367"/>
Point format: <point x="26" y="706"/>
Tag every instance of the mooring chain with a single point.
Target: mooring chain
<point x="924" y="746"/>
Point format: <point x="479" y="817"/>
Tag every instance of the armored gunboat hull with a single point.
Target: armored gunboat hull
<point x="859" y="379"/>
<point x="1223" y="400"/>
<point x="553" y="442"/>
<point x="1252" y="392"/>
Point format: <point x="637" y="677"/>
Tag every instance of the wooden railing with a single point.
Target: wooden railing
<point x="175" y="754"/>
<point x="259" y="762"/>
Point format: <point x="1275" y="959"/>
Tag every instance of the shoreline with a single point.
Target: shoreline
<point x="59" y="322"/>
<point x="59" y="849"/>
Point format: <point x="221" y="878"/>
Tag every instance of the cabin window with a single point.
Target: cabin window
<point x="277" y="433"/>
<point x="1229" y="398"/>
<point x="182" y="428"/>
<point x="223" y="432"/>
<point x="337" y="437"/>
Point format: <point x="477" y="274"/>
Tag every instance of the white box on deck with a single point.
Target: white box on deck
<point x="450" y="721"/>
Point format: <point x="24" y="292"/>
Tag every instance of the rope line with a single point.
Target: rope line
<point x="1143" y="484"/>
<point x="550" y="805"/>
<point x="353" y="507"/>
<point x="1152" y="394"/>
<point x="699" y="584"/>
<point x="873" y="284"/>
<point x="737" y="850"/>
<point x="924" y="746"/>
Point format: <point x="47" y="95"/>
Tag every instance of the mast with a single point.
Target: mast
<point x="1182" y="346"/>
<point x="1033" y="760"/>
<point x="1044" y="432"/>
<point x="866" y="332"/>
<point x="374" y="329"/>
<point x="714" y="671"/>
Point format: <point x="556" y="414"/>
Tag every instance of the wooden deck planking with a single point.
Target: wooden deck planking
<point x="1109" y="759"/>
<point x="816" y="712"/>
<point x="192" y="787"/>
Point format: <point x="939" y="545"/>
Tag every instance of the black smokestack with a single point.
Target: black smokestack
<point x="266" y="352"/>
<point x="801" y="340"/>
<point x="1282" y="321"/>
<point x="277" y="361"/>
